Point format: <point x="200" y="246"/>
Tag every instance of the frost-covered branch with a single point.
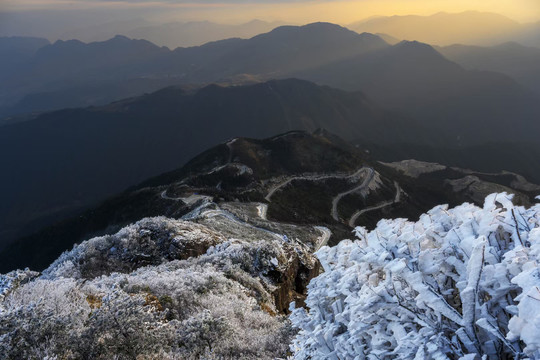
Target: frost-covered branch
<point x="457" y="283"/>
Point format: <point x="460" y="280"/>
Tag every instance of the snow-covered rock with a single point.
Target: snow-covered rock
<point x="457" y="283"/>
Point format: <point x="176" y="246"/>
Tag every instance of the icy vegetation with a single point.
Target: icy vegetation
<point x="461" y="283"/>
<point x="158" y="289"/>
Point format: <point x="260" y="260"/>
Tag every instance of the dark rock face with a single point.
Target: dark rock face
<point x="293" y="283"/>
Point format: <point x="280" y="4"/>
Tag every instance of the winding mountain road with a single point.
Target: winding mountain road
<point x="310" y="178"/>
<point x="167" y="197"/>
<point x="213" y="213"/>
<point x="323" y="240"/>
<point x="231" y="151"/>
<point x="384" y="204"/>
<point x="363" y="185"/>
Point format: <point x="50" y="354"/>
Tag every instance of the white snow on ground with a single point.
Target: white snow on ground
<point x="519" y="182"/>
<point x="262" y="209"/>
<point x="415" y="168"/>
<point x="455" y="283"/>
<point x="188" y="200"/>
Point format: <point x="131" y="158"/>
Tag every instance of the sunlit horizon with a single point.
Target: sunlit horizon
<point x="341" y="12"/>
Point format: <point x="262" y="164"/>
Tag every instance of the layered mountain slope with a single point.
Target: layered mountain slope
<point x="408" y="76"/>
<point x="82" y="156"/>
<point x="470" y="27"/>
<point x="290" y="184"/>
<point x="284" y="50"/>
<point x="17" y="50"/>
<point x="72" y="63"/>
<point x="471" y="107"/>
<point x="513" y="59"/>
<point x="68" y="64"/>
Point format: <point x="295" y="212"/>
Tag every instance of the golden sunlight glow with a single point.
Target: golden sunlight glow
<point x="339" y="11"/>
<point x="349" y="11"/>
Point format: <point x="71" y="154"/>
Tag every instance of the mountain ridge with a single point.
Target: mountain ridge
<point x="469" y="27"/>
<point x="329" y="58"/>
<point x="294" y="179"/>
<point x="84" y="155"/>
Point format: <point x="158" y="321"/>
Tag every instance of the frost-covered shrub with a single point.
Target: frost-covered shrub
<point x="14" y="279"/>
<point x="93" y="303"/>
<point x="150" y="241"/>
<point x="36" y="318"/>
<point x="459" y="282"/>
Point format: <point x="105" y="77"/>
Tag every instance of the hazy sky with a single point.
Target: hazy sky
<point x="339" y="11"/>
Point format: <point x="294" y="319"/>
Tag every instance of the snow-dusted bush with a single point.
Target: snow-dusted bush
<point x="150" y="241"/>
<point x="458" y="283"/>
<point x="14" y="279"/>
<point x="94" y="302"/>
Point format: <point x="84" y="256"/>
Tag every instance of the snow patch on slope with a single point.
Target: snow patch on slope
<point x="414" y="168"/>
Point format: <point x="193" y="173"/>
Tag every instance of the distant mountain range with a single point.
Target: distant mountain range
<point x="470" y="107"/>
<point x="513" y="59"/>
<point x="16" y="51"/>
<point x="69" y="64"/>
<point x="409" y="77"/>
<point x="171" y="34"/>
<point x="184" y="34"/>
<point x="470" y="27"/>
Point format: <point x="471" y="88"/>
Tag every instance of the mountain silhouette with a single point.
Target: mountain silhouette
<point x="66" y="66"/>
<point x="16" y="51"/>
<point x="513" y="59"/>
<point x="471" y="107"/>
<point x="469" y="27"/>
<point x="410" y="77"/>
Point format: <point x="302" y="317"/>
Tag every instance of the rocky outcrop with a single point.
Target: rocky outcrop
<point x="155" y="241"/>
<point x="151" y="241"/>
<point x="215" y="284"/>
